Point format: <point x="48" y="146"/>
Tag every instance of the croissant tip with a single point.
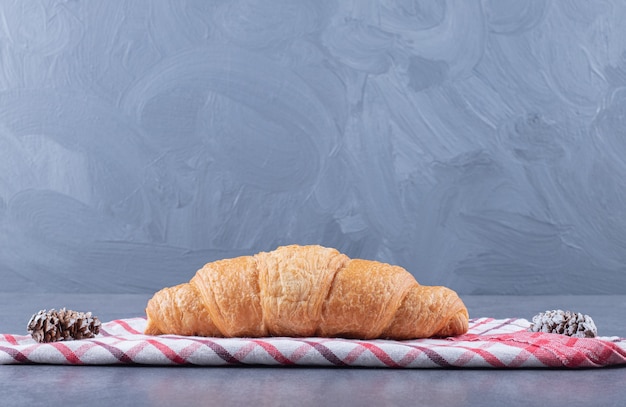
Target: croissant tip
<point x="151" y="329"/>
<point x="459" y="324"/>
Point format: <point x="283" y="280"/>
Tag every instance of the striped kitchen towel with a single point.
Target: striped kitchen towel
<point x="490" y="343"/>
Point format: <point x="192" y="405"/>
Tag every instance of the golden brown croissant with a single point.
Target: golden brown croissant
<point x="305" y="291"/>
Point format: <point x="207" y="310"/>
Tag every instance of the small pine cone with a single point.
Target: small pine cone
<point x="565" y="323"/>
<point x="63" y="325"/>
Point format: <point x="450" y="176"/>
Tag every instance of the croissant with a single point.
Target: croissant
<point x="304" y="291"/>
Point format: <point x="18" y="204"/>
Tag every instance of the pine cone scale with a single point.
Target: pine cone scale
<point x="567" y="323"/>
<point x="63" y="325"/>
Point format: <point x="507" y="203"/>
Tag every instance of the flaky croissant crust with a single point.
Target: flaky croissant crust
<point x="304" y="291"/>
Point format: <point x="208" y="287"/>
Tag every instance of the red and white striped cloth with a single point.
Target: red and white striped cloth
<point x="489" y="343"/>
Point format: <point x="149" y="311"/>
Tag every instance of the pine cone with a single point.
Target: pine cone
<point x="62" y="325"/>
<point x="564" y="322"/>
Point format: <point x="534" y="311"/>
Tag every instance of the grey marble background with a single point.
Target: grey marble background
<point x="479" y="144"/>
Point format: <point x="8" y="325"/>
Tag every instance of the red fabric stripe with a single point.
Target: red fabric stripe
<point x="241" y="354"/>
<point x="465" y="358"/>
<point x="187" y="351"/>
<point x="118" y="353"/>
<point x="613" y="354"/>
<point x="474" y="331"/>
<point x="10" y="338"/>
<point x="127" y="327"/>
<point x="380" y="354"/>
<point x="69" y="354"/>
<point x="15" y="354"/>
<point x="475" y="323"/>
<point x="326" y="353"/>
<point x="274" y="352"/>
<point x="432" y="355"/>
<point x="354" y="354"/>
<point x="520" y="359"/>
<point x="488" y="357"/>
<point x="167" y="352"/>
<point x="221" y="352"/>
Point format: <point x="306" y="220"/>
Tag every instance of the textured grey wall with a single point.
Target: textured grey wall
<point x="479" y="144"/>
